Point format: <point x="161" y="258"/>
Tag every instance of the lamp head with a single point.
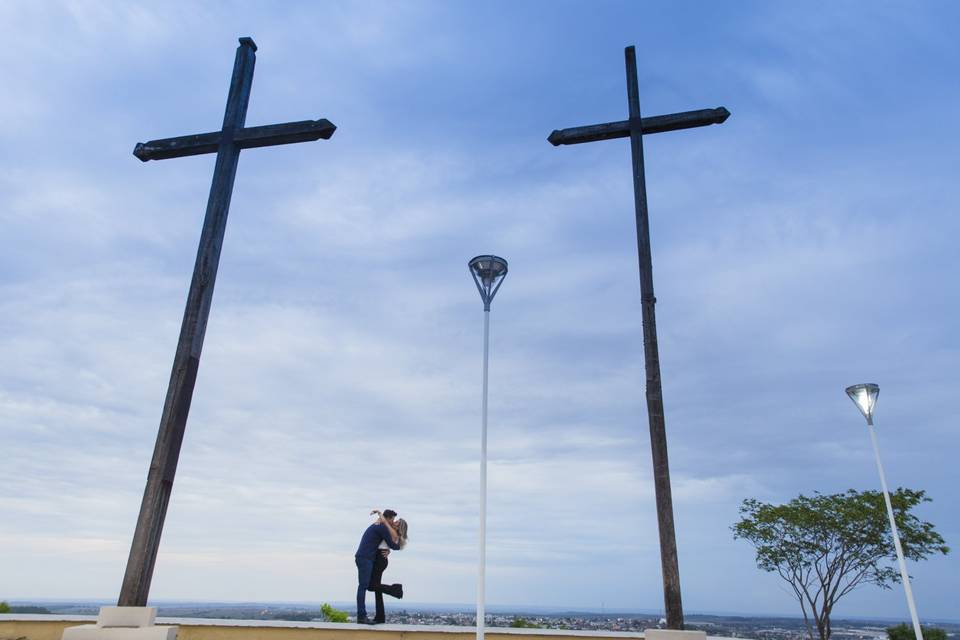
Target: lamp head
<point x="865" y="397"/>
<point x="488" y="273"/>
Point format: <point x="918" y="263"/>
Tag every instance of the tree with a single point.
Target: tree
<point x="903" y="632"/>
<point x="523" y="623"/>
<point x="825" y="546"/>
<point x="333" y="615"/>
<point x="6" y="608"/>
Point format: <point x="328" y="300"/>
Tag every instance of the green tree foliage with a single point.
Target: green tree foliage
<point x="4" y="607"/>
<point x="333" y="615"/>
<point x="24" y="609"/>
<point x="824" y="546"/>
<point x="523" y="623"/>
<point x="904" y="632"/>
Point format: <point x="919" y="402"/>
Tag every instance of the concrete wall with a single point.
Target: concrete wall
<point x="47" y="627"/>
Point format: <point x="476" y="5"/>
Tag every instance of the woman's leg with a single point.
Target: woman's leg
<point x="376" y="585"/>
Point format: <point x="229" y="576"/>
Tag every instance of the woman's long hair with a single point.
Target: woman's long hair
<point x="401" y="527"/>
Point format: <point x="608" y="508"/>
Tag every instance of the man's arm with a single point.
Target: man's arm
<point x="393" y="532"/>
<point x="392" y="539"/>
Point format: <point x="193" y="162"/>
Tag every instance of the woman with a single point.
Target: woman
<point x="379" y="566"/>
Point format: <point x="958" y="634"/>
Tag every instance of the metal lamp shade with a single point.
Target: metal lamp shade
<point x="865" y="397"/>
<point x="488" y="273"/>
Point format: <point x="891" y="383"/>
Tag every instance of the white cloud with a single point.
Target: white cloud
<point x="341" y="369"/>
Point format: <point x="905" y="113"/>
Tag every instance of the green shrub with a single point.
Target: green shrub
<point x="523" y="623"/>
<point x="904" y="632"/>
<point x="4" y="607"/>
<point x="333" y="615"/>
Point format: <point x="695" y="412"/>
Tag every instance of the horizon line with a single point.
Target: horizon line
<point x="467" y="607"/>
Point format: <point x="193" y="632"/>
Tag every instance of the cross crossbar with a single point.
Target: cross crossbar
<point x="246" y="138"/>
<point x="654" y="124"/>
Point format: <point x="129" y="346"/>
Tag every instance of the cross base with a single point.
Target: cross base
<point x="122" y="623"/>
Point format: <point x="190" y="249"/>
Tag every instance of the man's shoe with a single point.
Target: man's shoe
<point x="364" y="620"/>
<point x="379" y="620"/>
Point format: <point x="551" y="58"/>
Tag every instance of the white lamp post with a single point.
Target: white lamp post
<point x="488" y="273"/>
<point x="865" y="397"/>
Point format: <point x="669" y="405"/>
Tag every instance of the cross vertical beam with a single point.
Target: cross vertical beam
<point x="651" y="353"/>
<point x="227" y="143"/>
<point x="186" y="361"/>
<point x="636" y="127"/>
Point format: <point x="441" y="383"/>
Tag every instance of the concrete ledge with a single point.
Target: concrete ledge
<point x="221" y="629"/>
<point x="50" y="627"/>
<point x="672" y="634"/>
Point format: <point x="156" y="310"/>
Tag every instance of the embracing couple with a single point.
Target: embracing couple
<point x="388" y="532"/>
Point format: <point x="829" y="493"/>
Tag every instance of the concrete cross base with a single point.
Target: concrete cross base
<point x="672" y="634"/>
<point x="122" y="623"/>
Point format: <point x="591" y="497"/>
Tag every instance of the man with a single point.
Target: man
<point x="380" y="531"/>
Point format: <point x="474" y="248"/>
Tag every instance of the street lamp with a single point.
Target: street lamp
<point x="865" y="397"/>
<point x="488" y="273"/>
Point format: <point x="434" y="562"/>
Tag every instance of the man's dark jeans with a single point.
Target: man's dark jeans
<point x="364" y="571"/>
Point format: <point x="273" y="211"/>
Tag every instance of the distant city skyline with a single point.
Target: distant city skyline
<point x="805" y="245"/>
<point x="466" y="607"/>
<point x="416" y="614"/>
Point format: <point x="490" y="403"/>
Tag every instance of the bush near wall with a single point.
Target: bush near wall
<point x="333" y="615"/>
<point x="904" y="632"/>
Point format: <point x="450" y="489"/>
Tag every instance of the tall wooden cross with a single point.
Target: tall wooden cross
<point x="636" y="127"/>
<point x="226" y="143"/>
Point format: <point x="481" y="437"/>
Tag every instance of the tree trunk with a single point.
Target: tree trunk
<point x="806" y="618"/>
<point x="823" y="623"/>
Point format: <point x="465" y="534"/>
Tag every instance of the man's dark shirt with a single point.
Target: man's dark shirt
<point x="371" y="541"/>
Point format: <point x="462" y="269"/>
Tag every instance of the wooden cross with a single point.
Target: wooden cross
<point x="636" y="127"/>
<point x="226" y="143"/>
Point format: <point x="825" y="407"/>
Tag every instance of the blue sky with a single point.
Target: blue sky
<point x="805" y="245"/>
